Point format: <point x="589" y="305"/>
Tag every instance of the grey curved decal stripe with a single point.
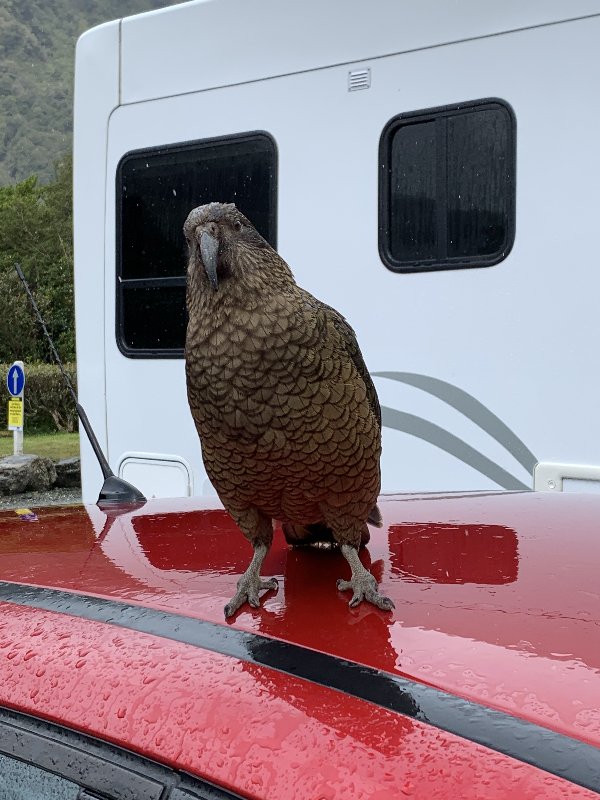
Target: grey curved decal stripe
<point x="432" y="433"/>
<point x="471" y="408"/>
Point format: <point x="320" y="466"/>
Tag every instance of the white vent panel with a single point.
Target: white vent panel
<point x="359" y="79"/>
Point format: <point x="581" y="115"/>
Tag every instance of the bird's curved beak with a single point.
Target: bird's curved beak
<point x="209" y="247"/>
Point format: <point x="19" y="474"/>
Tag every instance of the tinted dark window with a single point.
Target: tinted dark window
<point x="153" y="317"/>
<point x="413" y="179"/>
<point x="447" y="187"/>
<point x="22" y="781"/>
<point x="156" y="190"/>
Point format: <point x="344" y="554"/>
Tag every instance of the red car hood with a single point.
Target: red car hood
<point x="497" y="595"/>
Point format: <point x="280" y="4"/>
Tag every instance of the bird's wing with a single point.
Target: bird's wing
<point x="351" y="344"/>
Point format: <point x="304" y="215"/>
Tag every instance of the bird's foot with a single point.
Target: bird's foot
<point x="364" y="587"/>
<point x="362" y="583"/>
<point x="248" y="588"/>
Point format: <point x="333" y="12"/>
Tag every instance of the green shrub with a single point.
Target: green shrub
<point x="48" y="403"/>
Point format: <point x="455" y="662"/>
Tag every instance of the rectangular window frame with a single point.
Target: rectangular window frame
<point x="440" y="115"/>
<point x="175" y="281"/>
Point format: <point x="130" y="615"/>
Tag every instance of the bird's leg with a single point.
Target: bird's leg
<point x="259" y="530"/>
<point x="251" y="583"/>
<point x="362" y="583"/>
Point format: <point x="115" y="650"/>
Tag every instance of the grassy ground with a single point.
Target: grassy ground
<point x="51" y="445"/>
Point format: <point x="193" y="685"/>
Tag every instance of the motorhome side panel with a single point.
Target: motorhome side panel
<point x="504" y="352"/>
<point x="205" y="44"/>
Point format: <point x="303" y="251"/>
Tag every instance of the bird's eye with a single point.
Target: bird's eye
<point x="238" y="225"/>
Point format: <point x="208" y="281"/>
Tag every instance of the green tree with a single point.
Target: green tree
<point x="35" y="231"/>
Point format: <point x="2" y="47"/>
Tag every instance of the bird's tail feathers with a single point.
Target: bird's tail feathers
<point x="375" y="517"/>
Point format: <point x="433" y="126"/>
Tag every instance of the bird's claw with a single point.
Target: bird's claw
<point x="248" y="588"/>
<point x="364" y="587"/>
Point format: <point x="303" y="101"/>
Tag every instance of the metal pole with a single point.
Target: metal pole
<point x="18" y="442"/>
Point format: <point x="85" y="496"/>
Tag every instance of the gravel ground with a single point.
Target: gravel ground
<point x="52" y="497"/>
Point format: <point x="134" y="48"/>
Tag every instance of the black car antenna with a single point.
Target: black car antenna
<point x="114" y="491"/>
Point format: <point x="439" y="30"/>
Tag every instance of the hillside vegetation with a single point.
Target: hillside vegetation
<point x="37" y="48"/>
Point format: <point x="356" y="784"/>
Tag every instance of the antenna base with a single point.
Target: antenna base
<point x="115" y="491"/>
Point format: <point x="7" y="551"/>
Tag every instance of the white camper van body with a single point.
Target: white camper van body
<point x="488" y="375"/>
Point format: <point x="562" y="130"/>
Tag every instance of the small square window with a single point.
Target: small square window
<point x="447" y="187"/>
<point x="156" y="190"/>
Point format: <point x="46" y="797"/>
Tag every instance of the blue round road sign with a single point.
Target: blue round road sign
<point x="15" y="380"/>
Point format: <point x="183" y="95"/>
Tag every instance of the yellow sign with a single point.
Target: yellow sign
<point x="15" y="414"/>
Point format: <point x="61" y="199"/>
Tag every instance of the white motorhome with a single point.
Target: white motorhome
<point x="429" y="168"/>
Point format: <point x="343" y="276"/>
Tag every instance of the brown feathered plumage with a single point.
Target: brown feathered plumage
<point x="287" y="414"/>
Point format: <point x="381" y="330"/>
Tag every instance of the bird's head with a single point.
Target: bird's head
<point x="222" y="245"/>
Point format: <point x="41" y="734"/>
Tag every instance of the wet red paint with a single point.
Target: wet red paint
<point x="258" y="732"/>
<point x="497" y="600"/>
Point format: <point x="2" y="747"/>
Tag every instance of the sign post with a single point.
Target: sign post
<point x="15" y="382"/>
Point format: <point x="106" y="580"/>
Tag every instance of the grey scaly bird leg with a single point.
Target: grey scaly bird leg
<point x="250" y="583"/>
<point x="362" y="583"/>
